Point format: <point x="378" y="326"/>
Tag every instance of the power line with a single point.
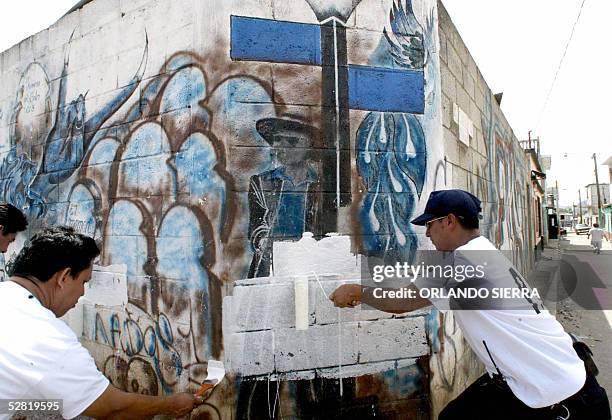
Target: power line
<point x="559" y="67"/>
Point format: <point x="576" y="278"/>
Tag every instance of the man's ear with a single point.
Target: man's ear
<point x="454" y="219"/>
<point x="63" y="277"/>
<point x="1" y="229"/>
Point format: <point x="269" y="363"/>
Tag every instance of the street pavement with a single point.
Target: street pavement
<point x="593" y="271"/>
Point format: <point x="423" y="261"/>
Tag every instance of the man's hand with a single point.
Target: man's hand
<point x="183" y="403"/>
<point x="346" y="296"/>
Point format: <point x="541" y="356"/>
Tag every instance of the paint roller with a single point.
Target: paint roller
<point x="216" y="373"/>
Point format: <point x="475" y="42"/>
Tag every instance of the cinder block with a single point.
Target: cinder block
<point x="98" y="13"/>
<point x="292" y="11"/>
<point x="361" y="44"/>
<point x="352" y="371"/>
<point x="449" y="82"/>
<point x="250" y="353"/>
<point x="297" y="84"/>
<point x="443" y="48"/>
<point x="447" y="111"/>
<point x="463" y="99"/>
<point x="469" y="84"/>
<point x="261" y="307"/>
<point x="451" y="146"/>
<point x="392" y="339"/>
<point x="60" y="31"/>
<point x="454" y="63"/>
<point x="324" y="310"/>
<point x="319" y="346"/>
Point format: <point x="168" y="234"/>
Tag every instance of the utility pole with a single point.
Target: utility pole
<point x="597" y="187"/>
<point x="580" y="204"/>
<point x="573" y="215"/>
<point x="557" y="204"/>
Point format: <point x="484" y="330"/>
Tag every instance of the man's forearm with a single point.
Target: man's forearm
<point x="393" y="305"/>
<point x="114" y="403"/>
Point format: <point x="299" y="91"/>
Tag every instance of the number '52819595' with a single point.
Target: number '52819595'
<point x="33" y="405"/>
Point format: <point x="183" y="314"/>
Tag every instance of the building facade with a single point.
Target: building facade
<point x="200" y="140"/>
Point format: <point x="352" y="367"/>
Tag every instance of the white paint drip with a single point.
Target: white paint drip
<point x="340" y="353"/>
<point x="401" y="238"/>
<point x="397" y="186"/>
<point x="371" y="214"/>
<point x="367" y="158"/>
<point x="383" y="129"/>
<point x="410" y="150"/>
<point x="337" y="117"/>
<point x="339" y="336"/>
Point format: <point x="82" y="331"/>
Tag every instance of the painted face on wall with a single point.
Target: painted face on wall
<point x="290" y="150"/>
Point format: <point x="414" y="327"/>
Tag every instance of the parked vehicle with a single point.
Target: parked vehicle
<point x="582" y="228"/>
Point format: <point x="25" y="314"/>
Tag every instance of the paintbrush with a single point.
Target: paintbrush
<point x="216" y="373"/>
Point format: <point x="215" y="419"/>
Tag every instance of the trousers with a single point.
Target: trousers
<point x="488" y="399"/>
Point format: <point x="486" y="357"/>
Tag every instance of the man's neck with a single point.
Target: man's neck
<point x="466" y="236"/>
<point x="35" y="287"/>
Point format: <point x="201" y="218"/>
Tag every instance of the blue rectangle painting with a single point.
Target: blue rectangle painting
<point x="386" y="90"/>
<point x="275" y="41"/>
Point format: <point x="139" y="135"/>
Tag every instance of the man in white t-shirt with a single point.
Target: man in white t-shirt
<point x="597" y="234"/>
<point x="40" y="356"/>
<point x="533" y="371"/>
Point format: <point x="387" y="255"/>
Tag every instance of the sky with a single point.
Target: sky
<point x="517" y="45"/>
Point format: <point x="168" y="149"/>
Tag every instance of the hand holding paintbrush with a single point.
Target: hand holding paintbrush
<point x="216" y="373"/>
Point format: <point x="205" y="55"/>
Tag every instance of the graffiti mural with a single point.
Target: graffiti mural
<point x="506" y="210"/>
<point x="284" y="202"/>
<point x="195" y="164"/>
<point x="41" y="167"/>
<point x="392" y="151"/>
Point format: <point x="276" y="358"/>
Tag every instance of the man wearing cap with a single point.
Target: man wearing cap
<point x="284" y="202"/>
<point x="533" y="371"/>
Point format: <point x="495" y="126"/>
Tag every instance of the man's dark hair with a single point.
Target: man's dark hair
<point x="54" y="249"/>
<point x="12" y="219"/>
<point x="595" y="225"/>
<point x="468" y="222"/>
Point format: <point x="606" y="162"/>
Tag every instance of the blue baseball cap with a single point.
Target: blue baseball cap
<point x="442" y="203"/>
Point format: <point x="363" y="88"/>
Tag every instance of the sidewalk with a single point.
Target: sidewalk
<point x="591" y="326"/>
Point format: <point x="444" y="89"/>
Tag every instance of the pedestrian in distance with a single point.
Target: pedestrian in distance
<point x="597" y="234"/>
<point x="40" y="356"/>
<point x="533" y="368"/>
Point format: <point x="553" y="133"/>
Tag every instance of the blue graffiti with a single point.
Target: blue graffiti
<point x="70" y="138"/>
<point x="391" y="159"/>
<point x="408" y="49"/>
<point x="391" y="149"/>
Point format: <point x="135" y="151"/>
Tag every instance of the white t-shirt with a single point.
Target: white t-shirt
<point x="41" y="357"/>
<point x="597" y="235"/>
<point x="531" y="349"/>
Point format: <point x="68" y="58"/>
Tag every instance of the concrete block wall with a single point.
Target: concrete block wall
<point x="196" y="138"/>
<point x="489" y="162"/>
